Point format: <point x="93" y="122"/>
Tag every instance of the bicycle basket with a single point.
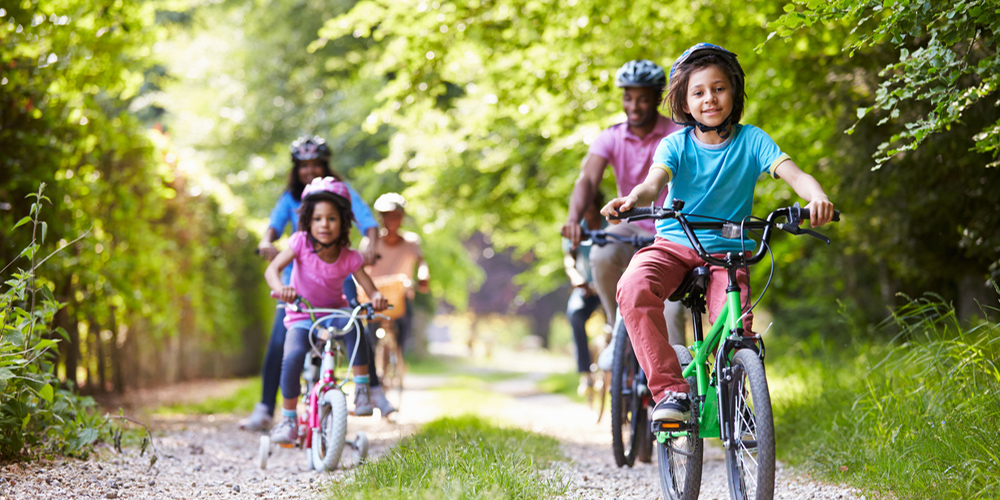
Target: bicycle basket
<point x="394" y="288"/>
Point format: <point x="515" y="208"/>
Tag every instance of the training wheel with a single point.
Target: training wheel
<point x="263" y="451"/>
<point x="360" y="445"/>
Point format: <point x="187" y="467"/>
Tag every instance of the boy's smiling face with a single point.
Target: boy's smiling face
<point x="709" y="96"/>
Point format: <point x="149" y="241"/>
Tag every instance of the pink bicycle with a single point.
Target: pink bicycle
<point x="323" y="426"/>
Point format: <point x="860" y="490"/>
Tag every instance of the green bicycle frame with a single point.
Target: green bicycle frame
<point x="708" y="415"/>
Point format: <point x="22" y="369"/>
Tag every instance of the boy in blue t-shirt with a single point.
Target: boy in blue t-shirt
<point x="713" y="166"/>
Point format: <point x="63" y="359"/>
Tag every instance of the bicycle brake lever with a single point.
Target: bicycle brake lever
<point x="796" y="230"/>
<point x="816" y="235"/>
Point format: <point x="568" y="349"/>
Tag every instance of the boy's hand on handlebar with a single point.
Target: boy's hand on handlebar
<point x="820" y="211"/>
<point x="617" y="206"/>
<point x="379" y="303"/>
<point x="285" y="294"/>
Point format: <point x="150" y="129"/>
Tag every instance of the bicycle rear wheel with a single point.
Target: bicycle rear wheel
<point x="629" y="416"/>
<point x="750" y="457"/>
<point x="680" y="458"/>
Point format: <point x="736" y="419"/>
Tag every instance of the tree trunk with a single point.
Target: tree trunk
<point x="99" y="352"/>
<point x="116" y="349"/>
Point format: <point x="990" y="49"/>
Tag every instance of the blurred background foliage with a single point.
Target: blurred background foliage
<point x="164" y="126"/>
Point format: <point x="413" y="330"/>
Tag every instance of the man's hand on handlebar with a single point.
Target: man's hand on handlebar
<point x="617" y="206"/>
<point x="572" y="231"/>
<point x="820" y="211"/>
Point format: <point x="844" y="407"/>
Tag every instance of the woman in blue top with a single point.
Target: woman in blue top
<point x="713" y="166"/>
<point x="310" y="160"/>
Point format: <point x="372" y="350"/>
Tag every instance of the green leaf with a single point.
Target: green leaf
<point x="22" y="222"/>
<point x="46" y="393"/>
<point x="45" y="228"/>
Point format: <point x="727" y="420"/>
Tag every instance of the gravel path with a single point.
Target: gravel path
<point x="208" y="457"/>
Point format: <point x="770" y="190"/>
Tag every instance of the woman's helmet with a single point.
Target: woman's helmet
<point x="310" y="148"/>
<point x="703" y="49"/>
<point x="641" y="73"/>
<point x="390" y="202"/>
<point x="327" y="189"/>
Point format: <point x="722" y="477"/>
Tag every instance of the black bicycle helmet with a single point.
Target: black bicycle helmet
<point x="310" y="148"/>
<point x="641" y="73"/>
<point x="703" y="49"/>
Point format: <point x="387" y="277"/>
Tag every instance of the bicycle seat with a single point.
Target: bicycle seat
<point x="695" y="283"/>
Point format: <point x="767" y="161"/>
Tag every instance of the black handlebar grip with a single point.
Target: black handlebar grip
<point x="634" y="212"/>
<point x="804" y="214"/>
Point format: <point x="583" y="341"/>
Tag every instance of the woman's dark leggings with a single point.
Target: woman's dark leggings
<point x="578" y="311"/>
<point x="271" y="371"/>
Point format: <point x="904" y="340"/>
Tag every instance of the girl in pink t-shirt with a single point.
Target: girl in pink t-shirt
<point x="323" y="260"/>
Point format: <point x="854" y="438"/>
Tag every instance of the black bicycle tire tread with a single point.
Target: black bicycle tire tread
<point x="764" y="423"/>
<point x="692" y="486"/>
<point x="622" y="457"/>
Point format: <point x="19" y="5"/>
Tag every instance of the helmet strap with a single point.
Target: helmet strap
<point x="323" y="246"/>
<point x="722" y="129"/>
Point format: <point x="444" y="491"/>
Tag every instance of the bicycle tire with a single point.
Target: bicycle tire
<point x="680" y="474"/>
<point x="328" y="441"/>
<point x="750" y="462"/>
<point x="629" y="417"/>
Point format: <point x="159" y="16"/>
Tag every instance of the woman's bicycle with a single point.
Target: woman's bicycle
<point x="729" y="394"/>
<point x="323" y="426"/>
<point x="630" y="397"/>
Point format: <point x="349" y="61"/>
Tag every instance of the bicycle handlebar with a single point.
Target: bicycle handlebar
<point x="601" y="237"/>
<point x="296" y="306"/>
<point x="730" y="229"/>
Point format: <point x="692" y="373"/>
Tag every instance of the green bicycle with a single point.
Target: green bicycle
<point x="729" y="395"/>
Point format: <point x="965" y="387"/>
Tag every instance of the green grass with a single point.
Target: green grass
<point x="914" y="418"/>
<point x="461" y="458"/>
<point x="241" y="401"/>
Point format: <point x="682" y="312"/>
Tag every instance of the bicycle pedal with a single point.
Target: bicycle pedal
<point x="287" y="445"/>
<point x="669" y="426"/>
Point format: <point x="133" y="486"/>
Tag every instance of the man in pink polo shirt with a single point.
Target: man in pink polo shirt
<point x="629" y="148"/>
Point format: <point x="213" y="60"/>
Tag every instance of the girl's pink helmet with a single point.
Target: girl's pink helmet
<point x="328" y="188"/>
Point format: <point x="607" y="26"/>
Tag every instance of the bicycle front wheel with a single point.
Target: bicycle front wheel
<point x="680" y="457"/>
<point x="629" y="416"/>
<point x="750" y="456"/>
<point x="328" y="441"/>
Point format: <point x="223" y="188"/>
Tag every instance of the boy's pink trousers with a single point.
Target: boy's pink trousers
<point x="653" y="274"/>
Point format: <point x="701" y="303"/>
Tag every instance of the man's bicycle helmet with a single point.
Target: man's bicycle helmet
<point x="310" y="148"/>
<point x="700" y="50"/>
<point x="641" y="73"/>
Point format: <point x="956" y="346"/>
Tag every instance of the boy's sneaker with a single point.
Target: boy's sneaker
<point x="362" y="401"/>
<point x="286" y="432"/>
<point x="259" y="419"/>
<point x="377" y="395"/>
<point x="675" y="407"/>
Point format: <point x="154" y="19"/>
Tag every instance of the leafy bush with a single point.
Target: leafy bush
<point x="915" y="417"/>
<point x="36" y="415"/>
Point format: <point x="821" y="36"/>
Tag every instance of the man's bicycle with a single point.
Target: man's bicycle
<point x="729" y="394"/>
<point x="323" y="426"/>
<point x="630" y="397"/>
<point x="388" y="351"/>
